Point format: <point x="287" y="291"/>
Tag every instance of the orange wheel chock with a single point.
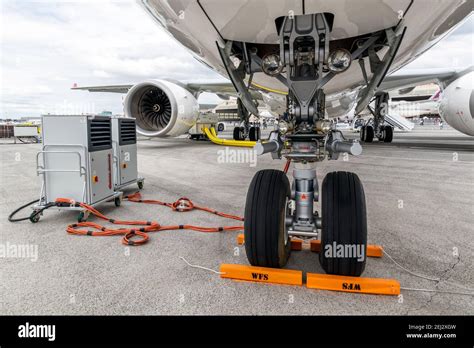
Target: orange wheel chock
<point x="296" y="244"/>
<point x="315" y="246"/>
<point x="331" y="282"/>
<point x="372" y="250"/>
<point x="262" y="274"/>
<point x="376" y="286"/>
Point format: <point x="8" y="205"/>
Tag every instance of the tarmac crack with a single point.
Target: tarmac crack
<point x="444" y="277"/>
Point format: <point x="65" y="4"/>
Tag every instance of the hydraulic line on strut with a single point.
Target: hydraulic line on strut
<point x="287" y="165"/>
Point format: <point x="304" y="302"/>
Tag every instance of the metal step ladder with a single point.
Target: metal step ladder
<point x="399" y="122"/>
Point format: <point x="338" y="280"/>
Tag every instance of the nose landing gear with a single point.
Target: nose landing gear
<point x="273" y="212"/>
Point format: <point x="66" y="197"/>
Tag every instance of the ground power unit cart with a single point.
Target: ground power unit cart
<point x="124" y="143"/>
<point x="76" y="162"/>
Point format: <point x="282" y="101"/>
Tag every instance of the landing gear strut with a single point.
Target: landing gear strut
<point x="242" y="132"/>
<point x="376" y="127"/>
<point x="273" y="211"/>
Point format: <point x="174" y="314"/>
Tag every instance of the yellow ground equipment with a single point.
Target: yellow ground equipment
<point x="212" y="135"/>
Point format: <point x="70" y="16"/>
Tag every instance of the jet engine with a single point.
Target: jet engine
<point x="457" y="105"/>
<point x="161" y="108"/>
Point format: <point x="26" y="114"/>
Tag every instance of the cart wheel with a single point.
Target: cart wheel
<point x="81" y="217"/>
<point x="118" y="201"/>
<point x="140" y="185"/>
<point x="35" y="216"/>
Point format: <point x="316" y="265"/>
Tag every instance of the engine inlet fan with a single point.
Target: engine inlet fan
<point x="155" y="109"/>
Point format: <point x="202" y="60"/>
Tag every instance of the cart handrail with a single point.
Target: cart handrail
<point x="41" y="170"/>
<point x="66" y="145"/>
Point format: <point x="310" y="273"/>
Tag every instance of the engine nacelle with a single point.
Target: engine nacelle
<point x="457" y="105"/>
<point x="161" y="108"/>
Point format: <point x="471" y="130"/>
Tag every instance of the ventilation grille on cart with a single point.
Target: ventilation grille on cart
<point x="128" y="132"/>
<point x="100" y="134"/>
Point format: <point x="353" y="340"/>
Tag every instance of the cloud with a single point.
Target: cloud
<point x="49" y="45"/>
<point x="102" y="73"/>
<point x="52" y="45"/>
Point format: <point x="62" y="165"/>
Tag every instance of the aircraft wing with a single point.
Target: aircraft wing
<point x="222" y="89"/>
<point x="108" y="89"/>
<point x="215" y="87"/>
<point x="421" y="77"/>
<point x="194" y="87"/>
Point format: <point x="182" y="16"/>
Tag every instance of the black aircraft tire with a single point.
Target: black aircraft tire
<point x="238" y="133"/>
<point x="388" y="132"/>
<point x="267" y="243"/>
<point x="344" y="223"/>
<point x="369" y="134"/>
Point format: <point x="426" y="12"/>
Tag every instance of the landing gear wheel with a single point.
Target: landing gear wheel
<point x="267" y="243"/>
<point x="344" y="222"/>
<point x="140" y="185"/>
<point x="220" y="127"/>
<point x="367" y="134"/>
<point x="35" y="216"/>
<point x="388" y="134"/>
<point x="118" y="201"/>
<point x="381" y="135"/>
<point x="239" y="133"/>
<point x="254" y="134"/>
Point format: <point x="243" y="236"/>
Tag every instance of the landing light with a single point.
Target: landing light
<point x="283" y="127"/>
<point x="323" y="126"/>
<point x="339" y="60"/>
<point x="271" y="64"/>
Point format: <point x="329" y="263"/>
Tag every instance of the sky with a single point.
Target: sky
<point x="46" y="46"/>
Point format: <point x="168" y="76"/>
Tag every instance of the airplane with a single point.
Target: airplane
<point x="415" y="106"/>
<point x="310" y="61"/>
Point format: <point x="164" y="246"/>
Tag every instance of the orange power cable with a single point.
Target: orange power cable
<point x="140" y="235"/>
